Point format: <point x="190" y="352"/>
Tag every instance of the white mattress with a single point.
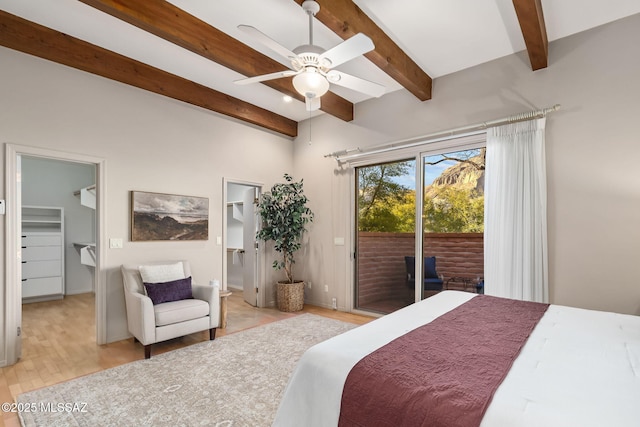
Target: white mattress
<point x="578" y="368"/>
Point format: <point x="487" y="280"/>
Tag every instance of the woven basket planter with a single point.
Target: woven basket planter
<point x="290" y="296"/>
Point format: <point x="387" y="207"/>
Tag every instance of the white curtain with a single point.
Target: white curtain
<point x="515" y="235"/>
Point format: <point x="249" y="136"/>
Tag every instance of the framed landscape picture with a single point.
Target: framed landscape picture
<point x="158" y="216"/>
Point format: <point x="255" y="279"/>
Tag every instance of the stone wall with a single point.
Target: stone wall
<point x="381" y="265"/>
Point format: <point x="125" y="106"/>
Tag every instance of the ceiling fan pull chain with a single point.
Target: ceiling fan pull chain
<point x="309" y="127"/>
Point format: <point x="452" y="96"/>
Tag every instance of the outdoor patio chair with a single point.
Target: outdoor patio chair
<point x="431" y="280"/>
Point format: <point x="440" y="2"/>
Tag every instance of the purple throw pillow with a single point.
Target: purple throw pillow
<point x="169" y="291"/>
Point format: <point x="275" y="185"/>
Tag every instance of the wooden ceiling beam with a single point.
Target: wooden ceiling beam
<point x="34" y="39"/>
<point x="534" y="31"/>
<point x="346" y="19"/>
<point x="171" y="23"/>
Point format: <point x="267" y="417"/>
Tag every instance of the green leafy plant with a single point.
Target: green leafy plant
<point x="284" y="216"/>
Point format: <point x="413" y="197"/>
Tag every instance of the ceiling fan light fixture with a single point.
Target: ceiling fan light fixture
<point x="311" y="84"/>
<point x="312" y="66"/>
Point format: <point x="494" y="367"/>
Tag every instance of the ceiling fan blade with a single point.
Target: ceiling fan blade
<point x="356" y="83"/>
<point x="264" y="77"/>
<point x="312" y="104"/>
<point x="268" y="42"/>
<point x="347" y="50"/>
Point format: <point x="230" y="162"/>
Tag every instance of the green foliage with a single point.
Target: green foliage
<point x="405" y="211"/>
<point x="454" y="210"/>
<point x="387" y="206"/>
<point x="382" y="203"/>
<point x="284" y="216"/>
<point x="395" y="214"/>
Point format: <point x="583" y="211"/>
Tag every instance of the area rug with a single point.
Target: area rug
<point x="235" y="380"/>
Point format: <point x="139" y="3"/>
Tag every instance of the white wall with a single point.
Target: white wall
<point x="592" y="160"/>
<point x="149" y="142"/>
<point x="47" y="182"/>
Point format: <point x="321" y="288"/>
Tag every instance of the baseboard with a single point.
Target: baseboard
<point x="88" y="291"/>
<point x="323" y="305"/>
<point x="124" y="337"/>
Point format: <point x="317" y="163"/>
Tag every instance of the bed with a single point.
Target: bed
<point x="577" y="368"/>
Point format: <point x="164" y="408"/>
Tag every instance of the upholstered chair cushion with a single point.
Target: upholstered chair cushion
<point x="430" y="267"/>
<point x="180" y="311"/>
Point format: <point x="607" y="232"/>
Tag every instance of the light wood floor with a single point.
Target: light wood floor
<point x="59" y="342"/>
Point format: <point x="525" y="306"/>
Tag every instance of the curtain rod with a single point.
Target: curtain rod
<point x="343" y="155"/>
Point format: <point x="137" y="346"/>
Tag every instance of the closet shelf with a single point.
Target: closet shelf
<point x="87" y="196"/>
<point x="87" y="253"/>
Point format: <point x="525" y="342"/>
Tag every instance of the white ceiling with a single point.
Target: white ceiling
<point x="441" y="36"/>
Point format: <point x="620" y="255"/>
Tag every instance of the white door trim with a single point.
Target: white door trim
<point x="13" y="301"/>
<point x="262" y="298"/>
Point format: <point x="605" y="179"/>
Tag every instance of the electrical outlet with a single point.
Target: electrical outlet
<point x="326" y="288"/>
<point x="115" y="243"/>
<point x="309" y="285"/>
<point x="334" y="303"/>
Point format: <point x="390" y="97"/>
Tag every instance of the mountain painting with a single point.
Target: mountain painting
<point x="157" y="216"/>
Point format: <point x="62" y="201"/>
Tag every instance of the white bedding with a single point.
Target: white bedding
<point x="578" y="368"/>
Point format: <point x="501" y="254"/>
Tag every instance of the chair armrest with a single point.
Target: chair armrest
<point x="210" y="294"/>
<point x="141" y="318"/>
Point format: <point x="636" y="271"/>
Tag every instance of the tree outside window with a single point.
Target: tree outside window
<point x="453" y="199"/>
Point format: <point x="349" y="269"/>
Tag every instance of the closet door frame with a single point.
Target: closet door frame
<point x="13" y="291"/>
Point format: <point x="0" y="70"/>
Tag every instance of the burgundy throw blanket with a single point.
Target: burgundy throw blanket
<point x="442" y="374"/>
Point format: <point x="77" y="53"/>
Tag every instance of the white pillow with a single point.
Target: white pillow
<point x="161" y="273"/>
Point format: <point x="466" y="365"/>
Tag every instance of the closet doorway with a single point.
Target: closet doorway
<point x="241" y="266"/>
<point x="59" y="221"/>
<point x="61" y="252"/>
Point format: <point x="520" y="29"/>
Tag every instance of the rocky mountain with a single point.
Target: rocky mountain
<point x="467" y="174"/>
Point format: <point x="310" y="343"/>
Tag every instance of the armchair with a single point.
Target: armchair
<point x="431" y="280"/>
<point x="150" y="323"/>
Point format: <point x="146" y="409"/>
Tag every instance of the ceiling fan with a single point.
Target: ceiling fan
<point x="312" y="66"/>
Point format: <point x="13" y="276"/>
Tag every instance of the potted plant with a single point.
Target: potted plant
<point x="284" y="216"/>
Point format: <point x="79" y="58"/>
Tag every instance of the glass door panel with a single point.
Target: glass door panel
<point x="385" y="236"/>
<point x="453" y="221"/>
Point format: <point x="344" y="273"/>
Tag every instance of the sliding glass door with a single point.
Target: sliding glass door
<point x="450" y="205"/>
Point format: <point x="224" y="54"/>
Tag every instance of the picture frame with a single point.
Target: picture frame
<point x="162" y="217"/>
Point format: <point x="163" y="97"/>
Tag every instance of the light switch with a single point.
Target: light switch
<point x="338" y="241"/>
<point x="218" y="240"/>
<point x="115" y="243"/>
<point x="2" y="208"/>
